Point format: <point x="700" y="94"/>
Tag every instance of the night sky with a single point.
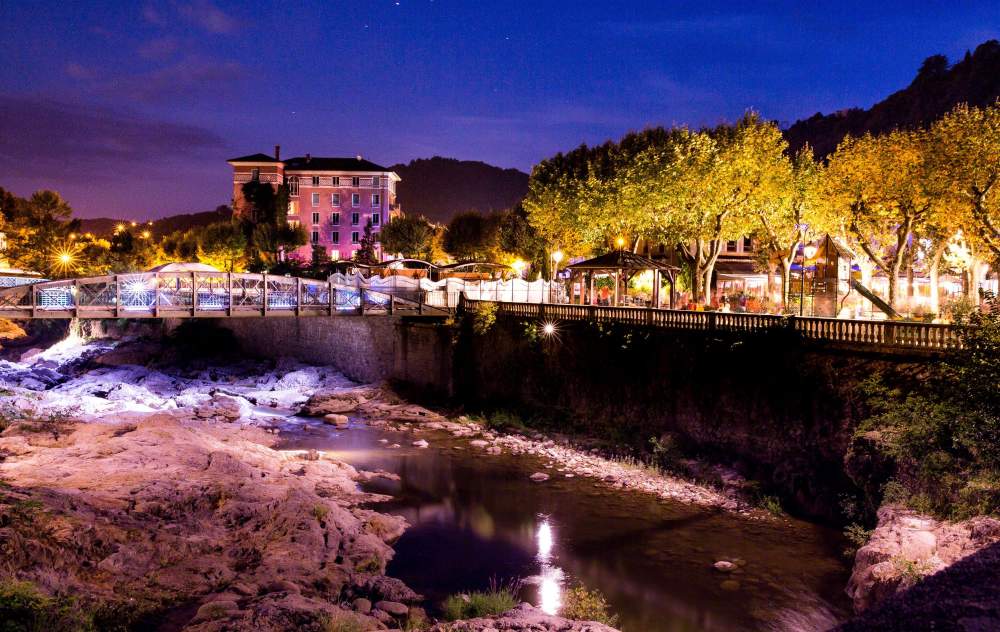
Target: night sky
<point x="130" y="109"/>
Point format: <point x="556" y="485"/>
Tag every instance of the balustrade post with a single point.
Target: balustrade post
<point x="264" y="294"/>
<point x="156" y="294"/>
<point x="331" y="296"/>
<point x="890" y="333"/>
<point x="229" y="293"/>
<point x="194" y="293"/>
<point x="711" y="320"/>
<point x="361" y="300"/>
<point x="298" y="296"/>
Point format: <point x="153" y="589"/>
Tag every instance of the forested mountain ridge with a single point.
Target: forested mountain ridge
<point x="440" y="188"/>
<point x="937" y="88"/>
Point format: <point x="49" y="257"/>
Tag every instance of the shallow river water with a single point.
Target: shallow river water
<point x="476" y="517"/>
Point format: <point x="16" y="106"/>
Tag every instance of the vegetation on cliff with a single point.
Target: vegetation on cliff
<point x="941" y="434"/>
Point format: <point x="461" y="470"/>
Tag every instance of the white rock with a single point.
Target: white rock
<point x="420" y="443"/>
<point x="539" y="477"/>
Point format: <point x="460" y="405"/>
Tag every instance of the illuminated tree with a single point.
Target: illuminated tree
<point x="223" y="246"/>
<point x="883" y="187"/>
<point x="794" y="215"/>
<point x="967" y="140"/>
<point x="411" y="236"/>
<point x="366" y="252"/>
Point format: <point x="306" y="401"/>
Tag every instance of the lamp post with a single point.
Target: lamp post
<point x="808" y="252"/>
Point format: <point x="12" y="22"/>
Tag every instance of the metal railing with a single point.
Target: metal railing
<point x="202" y="294"/>
<point x="887" y="334"/>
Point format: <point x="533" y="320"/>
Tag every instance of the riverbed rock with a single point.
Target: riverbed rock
<point x="420" y="443"/>
<point x="362" y="605"/>
<point x="336" y="419"/>
<point x="523" y="618"/>
<point x="324" y="402"/>
<point x="173" y="507"/>
<point x="724" y="566"/>
<point x="907" y="546"/>
<point x="394" y="608"/>
<point x="479" y="443"/>
<point x="539" y="477"/>
<point x="224" y="408"/>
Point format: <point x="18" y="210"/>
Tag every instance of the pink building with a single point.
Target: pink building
<point x="332" y="198"/>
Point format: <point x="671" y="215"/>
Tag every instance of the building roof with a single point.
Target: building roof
<point x="317" y="163"/>
<point x="621" y="260"/>
<point x="255" y="158"/>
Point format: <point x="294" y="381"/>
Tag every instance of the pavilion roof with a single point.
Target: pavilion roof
<point x="622" y="260"/>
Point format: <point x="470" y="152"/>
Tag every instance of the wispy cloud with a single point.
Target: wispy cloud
<point x="153" y="15"/>
<point x="689" y="25"/>
<point x="84" y="141"/>
<point x="76" y="70"/>
<point x="159" y="48"/>
<point x="207" y="16"/>
<point x="193" y="76"/>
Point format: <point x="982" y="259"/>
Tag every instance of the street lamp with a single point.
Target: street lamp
<point x="518" y="266"/>
<point x="620" y="242"/>
<point x="808" y="252"/>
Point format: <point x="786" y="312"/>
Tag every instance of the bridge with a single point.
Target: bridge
<point x="202" y="294"/>
<point x="864" y="334"/>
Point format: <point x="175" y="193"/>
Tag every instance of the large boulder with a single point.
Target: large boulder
<point x="907" y="546"/>
<point x="325" y="402"/>
<point x="224" y="408"/>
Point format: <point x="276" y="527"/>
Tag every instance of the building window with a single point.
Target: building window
<point x="335" y="219"/>
<point x="315" y="218"/>
<point x="335" y="181"/>
<point x="335" y="237"/>
<point x="730" y="246"/>
<point x="293" y="186"/>
<point x="355" y="219"/>
<point x="747" y="244"/>
<point x="315" y="199"/>
<point x="335" y="199"/>
<point x="255" y="174"/>
<point x="355" y="181"/>
<point x="355" y="237"/>
<point x="335" y="255"/>
<point x="376" y="219"/>
<point x="375" y="181"/>
<point x="355" y="199"/>
<point x="315" y="181"/>
<point x="376" y="200"/>
<point x="315" y="236"/>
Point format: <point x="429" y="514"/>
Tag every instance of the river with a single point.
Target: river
<point x="476" y="518"/>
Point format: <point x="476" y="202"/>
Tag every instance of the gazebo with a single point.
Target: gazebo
<point x="622" y="265"/>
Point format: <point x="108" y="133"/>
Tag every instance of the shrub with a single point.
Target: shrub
<point x="857" y="536"/>
<point x="320" y="512"/>
<point x="343" y="622"/>
<point x="942" y="431"/>
<point x="24" y="609"/>
<point x="587" y="605"/>
<point x="484" y="316"/>
<point x="499" y="598"/>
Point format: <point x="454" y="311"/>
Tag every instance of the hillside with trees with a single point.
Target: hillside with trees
<point x="105" y="226"/>
<point x="440" y="188"/>
<point x="937" y="88"/>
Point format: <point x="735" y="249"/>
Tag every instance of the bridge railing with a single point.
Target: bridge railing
<point x="889" y="334"/>
<point x="205" y="294"/>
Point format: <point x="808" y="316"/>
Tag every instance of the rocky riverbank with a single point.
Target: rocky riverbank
<point x="136" y="490"/>
<point x="906" y="548"/>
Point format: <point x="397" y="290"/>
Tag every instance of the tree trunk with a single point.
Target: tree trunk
<point x="786" y="280"/>
<point x="933" y="272"/>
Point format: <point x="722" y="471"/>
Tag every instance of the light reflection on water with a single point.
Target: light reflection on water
<point x="475" y="519"/>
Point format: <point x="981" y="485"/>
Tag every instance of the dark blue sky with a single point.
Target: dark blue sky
<point x="130" y="109"/>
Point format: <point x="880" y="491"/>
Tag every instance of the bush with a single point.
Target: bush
<point x="942" y="431"/>
<point x="857" y="536"/>
<point x="499" y="598"/>
<point x="587" y="605"/>
<point x="24" y="609"/>
<point x="484" y="316"/>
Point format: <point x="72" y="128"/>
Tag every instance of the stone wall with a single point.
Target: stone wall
<point x="364" y="348"/>
<point x="780" y="411"/>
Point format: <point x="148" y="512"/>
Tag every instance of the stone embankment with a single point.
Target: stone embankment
<point x="158" y="492"/>
<point x="906" y="548"/>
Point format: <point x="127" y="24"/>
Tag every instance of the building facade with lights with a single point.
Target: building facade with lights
<point x="333" y="199"/>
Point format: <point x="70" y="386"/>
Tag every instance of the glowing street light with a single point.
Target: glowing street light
<point x="146" y="234"/>
<point x="549" y="329"/>
<point x="518" y="266"/>
<point x="620" y="242"/>
<point x="119" y="228"/>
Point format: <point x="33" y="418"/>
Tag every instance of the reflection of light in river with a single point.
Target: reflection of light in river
<point x="551" y="577"/>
